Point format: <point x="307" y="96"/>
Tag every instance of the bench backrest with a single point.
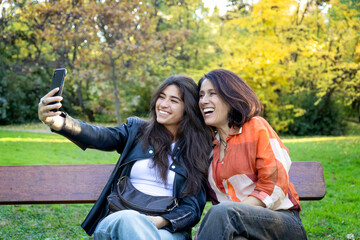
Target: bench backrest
<point x="50" y="184"/>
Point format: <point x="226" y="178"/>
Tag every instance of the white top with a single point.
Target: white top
<point x="147" y="179"/>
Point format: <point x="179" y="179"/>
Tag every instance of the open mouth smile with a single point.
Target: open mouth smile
<point x="208" y="111"/>
<point x="163" y="113"/>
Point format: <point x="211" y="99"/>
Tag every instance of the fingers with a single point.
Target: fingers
<point x="46" y="111"/>
<point x="48" y="108"/>
<point x="51" y="114"/>
<point x="46" y="99"/>
<point x="48" y="116"/>
<point x="51" y="93"/>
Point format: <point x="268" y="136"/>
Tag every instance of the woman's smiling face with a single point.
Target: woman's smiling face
<point x="170" y="108"/>
<point x="214" y="109"/>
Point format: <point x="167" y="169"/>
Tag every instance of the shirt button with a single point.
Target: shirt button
<point x="173" y="167"/>
<point x="175" y="157"/>
<point x="151" y="151"/>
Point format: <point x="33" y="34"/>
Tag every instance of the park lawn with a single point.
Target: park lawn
<point x="45" y="221"/>
<point x="337" y="215"/>
<point x="334" y="217"/>
<point x="21" y="148"/>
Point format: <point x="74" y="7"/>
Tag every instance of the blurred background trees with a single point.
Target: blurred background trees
<point x="301" y="57"/>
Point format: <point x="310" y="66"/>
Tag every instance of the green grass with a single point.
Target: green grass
<point x="44" y="221"/>
<point x="334" y="217"/>
<point x="352" y="128"/>
<point x="21" y="148"/>
<point x="337" y="215"/>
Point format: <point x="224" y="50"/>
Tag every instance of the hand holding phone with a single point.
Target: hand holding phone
<point x="58" y="81"/>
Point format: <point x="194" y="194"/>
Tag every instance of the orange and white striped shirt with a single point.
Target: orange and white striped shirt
<point x="256" y="164"/>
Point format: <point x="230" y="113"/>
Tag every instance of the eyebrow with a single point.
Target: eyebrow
<point x="177" y="98"/>
<point x="162" y="93"/>
<point x="208" y="90"/>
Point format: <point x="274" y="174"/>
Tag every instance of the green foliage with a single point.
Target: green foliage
<point x="284" y="48"/>
<point x="352" y="129"/>
<point x="117" y="52"/>
<point x="20" y="95"/>
<point x="323" y="118"/>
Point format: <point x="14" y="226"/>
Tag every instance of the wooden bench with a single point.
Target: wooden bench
<point x="65" y="184"/>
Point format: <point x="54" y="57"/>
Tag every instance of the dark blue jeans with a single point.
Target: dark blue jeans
<point x="233" y="220"/>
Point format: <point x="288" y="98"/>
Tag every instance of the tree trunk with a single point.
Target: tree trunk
<point x="116" y="92"/>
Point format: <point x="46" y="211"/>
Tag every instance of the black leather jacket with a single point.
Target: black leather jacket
<point x="123" y="140"/>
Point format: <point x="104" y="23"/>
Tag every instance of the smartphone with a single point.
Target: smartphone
<point x="58" y="81"/>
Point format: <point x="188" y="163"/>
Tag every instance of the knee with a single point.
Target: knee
<point x="120" y="218"/>
<point x="229" y="208"/>
<point x="128" y="214"/>
<point x="124" y="217"/>
<point x="123" y="225"/>
<point x="220" y="209"/>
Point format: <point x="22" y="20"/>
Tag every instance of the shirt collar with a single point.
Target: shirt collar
<point x="233" y="131"/>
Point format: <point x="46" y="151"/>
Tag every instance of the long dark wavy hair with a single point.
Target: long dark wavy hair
<point x="237" y="93"/>
<point x="193" y="136"/>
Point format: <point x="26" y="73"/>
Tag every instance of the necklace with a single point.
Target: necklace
<point x="224" y="143"/>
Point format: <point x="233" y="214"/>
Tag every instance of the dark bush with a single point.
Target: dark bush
<point x="324" y="118"/>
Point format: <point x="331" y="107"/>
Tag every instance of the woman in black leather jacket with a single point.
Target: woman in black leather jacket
<point x="176" y="143"/>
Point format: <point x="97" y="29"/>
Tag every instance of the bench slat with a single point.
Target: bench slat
<point x="50" y="184"/>
<point x="308" y="179"/>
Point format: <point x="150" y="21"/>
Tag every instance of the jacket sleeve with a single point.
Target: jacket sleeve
<point x="86" y="136"/>
<point x="272" y="164"/>
<point x="188" y="213"/>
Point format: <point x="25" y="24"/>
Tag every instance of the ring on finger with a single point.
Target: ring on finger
<point x="43" y="101"/>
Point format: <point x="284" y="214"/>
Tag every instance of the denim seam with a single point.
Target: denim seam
<point x="297" y="224"/>
<point x="227" y="227"/>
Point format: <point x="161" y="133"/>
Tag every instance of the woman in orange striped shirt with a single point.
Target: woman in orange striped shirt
<point x="248" y="178"/>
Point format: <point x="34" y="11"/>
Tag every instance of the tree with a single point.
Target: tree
<point x="21" y="67"/>
<point x="64" y="27"/>
<point x="44" y="36"/>
<point x="285" y="48"/>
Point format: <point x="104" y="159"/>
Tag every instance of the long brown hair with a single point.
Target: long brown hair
<point x="237" y="93"/>
<point x="193" y="136"/>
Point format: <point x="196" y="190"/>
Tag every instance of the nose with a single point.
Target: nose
<point x="164" y="103"/>
<point x="204" y="99"/>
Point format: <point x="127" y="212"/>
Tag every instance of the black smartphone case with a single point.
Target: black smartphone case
<point x="58" y="81"/>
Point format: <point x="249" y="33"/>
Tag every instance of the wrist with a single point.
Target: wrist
<point x="162" y="222"/>
<point x="49" y="124"/>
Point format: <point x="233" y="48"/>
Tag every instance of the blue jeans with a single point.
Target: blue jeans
<point x="233" y="220"/>
<point x="129" y="224"/>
